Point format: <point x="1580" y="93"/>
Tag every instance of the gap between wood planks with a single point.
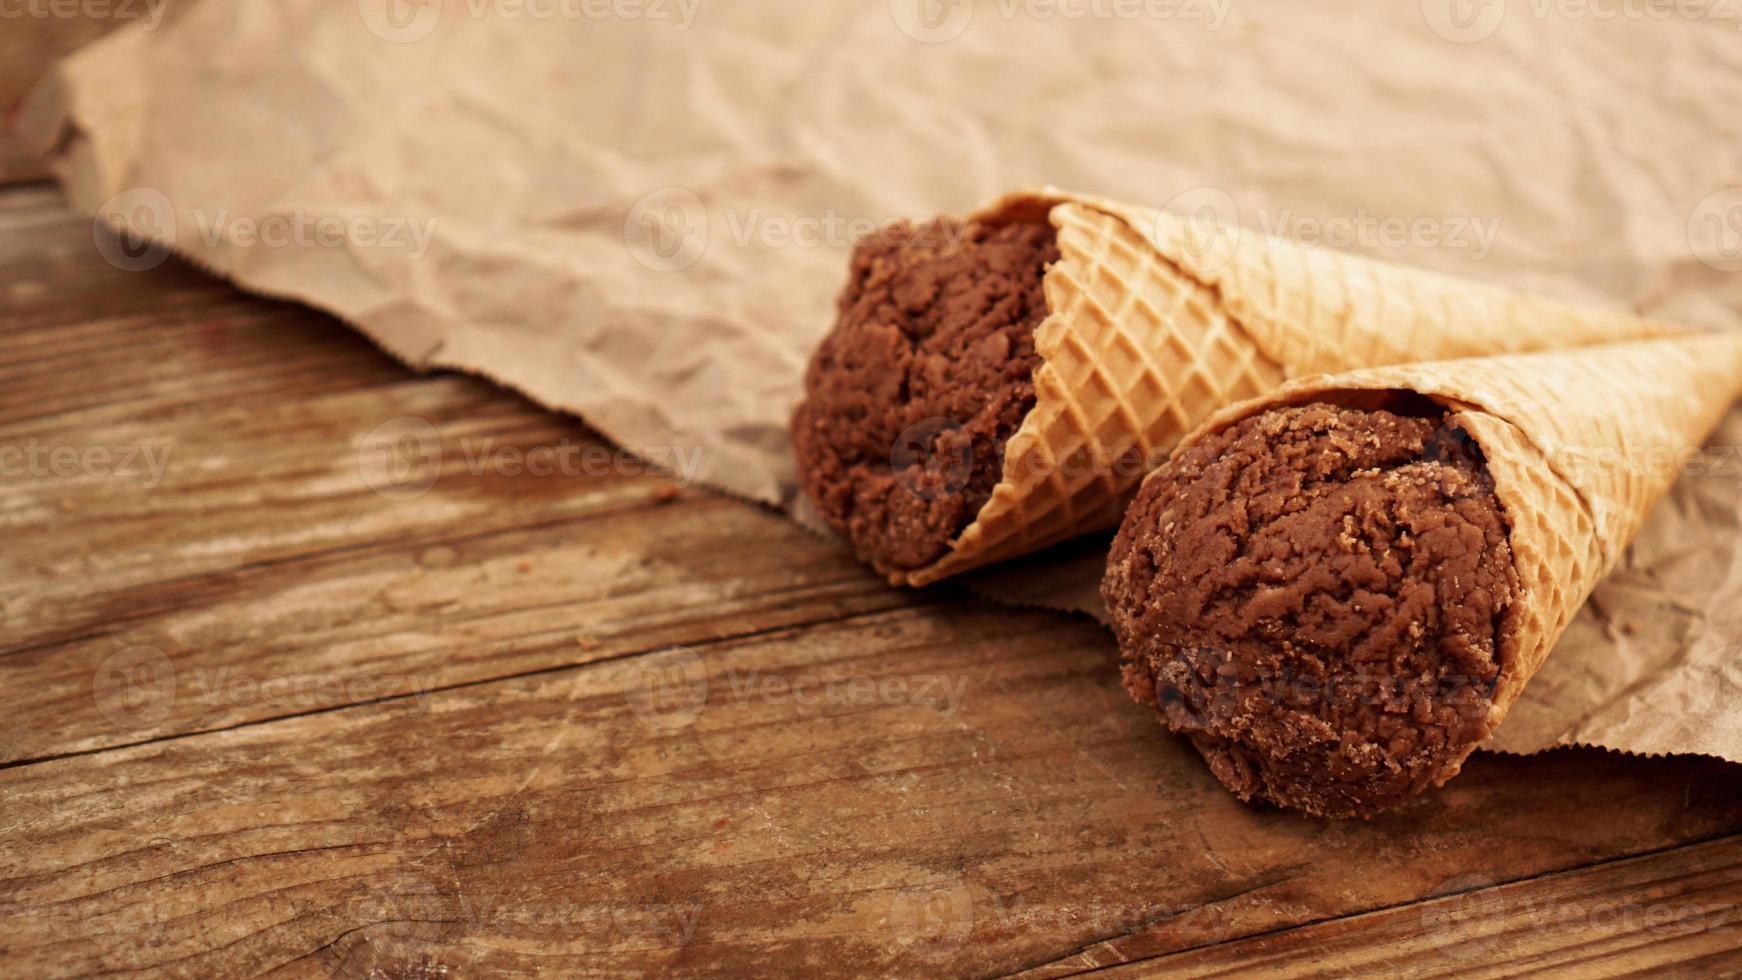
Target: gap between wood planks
<point x="1063" y="966"/>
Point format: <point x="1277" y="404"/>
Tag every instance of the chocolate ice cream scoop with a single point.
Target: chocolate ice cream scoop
<point x="928" y="372"/>
<point x="1319" y="597"/>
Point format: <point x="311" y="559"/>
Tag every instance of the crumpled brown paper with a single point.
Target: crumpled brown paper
<point x="640" y="210"/>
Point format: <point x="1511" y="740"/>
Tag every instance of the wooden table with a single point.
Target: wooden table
<point x="323" y="682"/>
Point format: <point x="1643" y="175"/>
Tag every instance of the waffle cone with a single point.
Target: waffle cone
<point x="1580" y="443"/>
<point x="1156" y="321"/>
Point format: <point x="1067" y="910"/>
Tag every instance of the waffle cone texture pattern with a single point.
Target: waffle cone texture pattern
<point x="1580" y="444"/>
<point x="1155" y="321"/>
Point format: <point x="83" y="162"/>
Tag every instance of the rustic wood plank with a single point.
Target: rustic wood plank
<point x="241" y="532"/>
<point x="1676" y="912"/>
<point x="961" y="789"/>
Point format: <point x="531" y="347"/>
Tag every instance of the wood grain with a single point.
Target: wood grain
<point x="951" y="788"/>
<point x="234" y="530"/>
<point x="1678" y="911"/>
<point x="599" y="723"/>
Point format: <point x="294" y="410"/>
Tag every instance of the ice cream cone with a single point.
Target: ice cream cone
<point x="1580" y="444"/>
<point x="1155" y="321"/>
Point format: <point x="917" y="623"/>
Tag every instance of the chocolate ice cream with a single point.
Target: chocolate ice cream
<point x="927" y="373"/>
<point x="1320" y="598"/>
